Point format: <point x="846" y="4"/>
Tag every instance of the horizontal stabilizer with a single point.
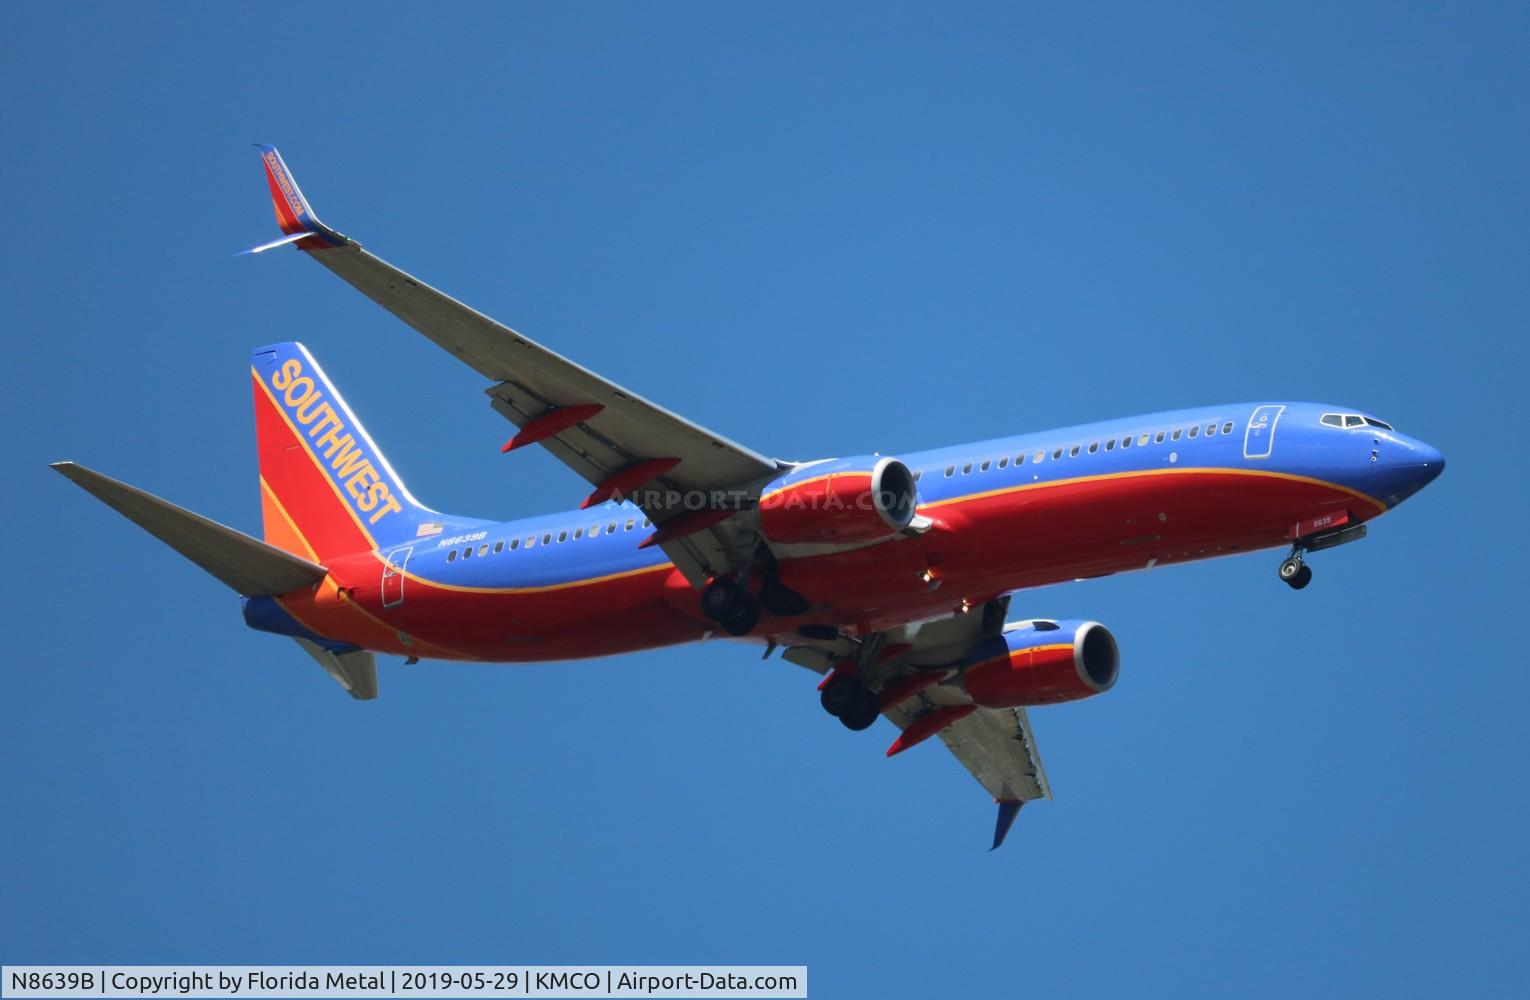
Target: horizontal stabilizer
<point x="356" y="671"/>
<point x="248" y="565"/>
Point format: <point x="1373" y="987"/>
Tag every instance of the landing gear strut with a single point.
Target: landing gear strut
<point x="1296" y="573"/>
<point x="731" y="606"/>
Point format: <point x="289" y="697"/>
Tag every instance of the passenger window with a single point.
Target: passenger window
<point x="1158" y="438"/>
<point x="1126" y="442"/>
<point x="531" y="541"/>
<point x="1143" y="440"/>
<point x="483" y="550"/>
<point x="950" y="471"/>
<point x="647" y="523"/>
<point x="467" y="553"/>
<point x="967" y="469"/>
<point x="1094" y="446"/>
<point x="630" y="523"/>
<point x="985" y="465"/>
<point x="563" y="536"/>
<point x="1176" y="434"/>
<point x="1057" y="454"/>
<point x="1020" y="459"/>
<point x="451" y="556"/>
<point x="515" y="543"/>
<point x="578" y="534"/>
<point x="1040" y="456"/>
<point x="917" y="474"/>
<point x="547" y="538"/>
<point x="499" y="547"/>
<point x="1073" y="452"/>
<point x="1004" y="462"/>
<point x="1227" y="427"/>
<point x="1195" y="431"/>
<point x="1211" y="430"/>
<point x="1110" y="445"/>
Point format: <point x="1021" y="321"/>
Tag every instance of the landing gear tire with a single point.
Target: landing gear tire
<point x="1292" y="568"/>
<point x="839" y="694"/>
<point x="731" y="606"/>
<point x="722" y="598"/>
<point x="862" y="712"/>
<point x="743" y="620"/>
<point x="1301" y="579"/>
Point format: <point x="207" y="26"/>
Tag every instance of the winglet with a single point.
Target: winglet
<point x="1008" y="810"/>
<point x="293" y="213"/>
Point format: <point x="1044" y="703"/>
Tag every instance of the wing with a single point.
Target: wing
<point x="617" y="440"/>
<point x="995" y="745"/>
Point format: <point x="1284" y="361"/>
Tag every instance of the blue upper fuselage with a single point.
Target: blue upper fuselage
<point x="1351" y="449"/>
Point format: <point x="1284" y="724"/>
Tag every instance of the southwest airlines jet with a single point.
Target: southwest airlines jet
<point x="890" y="576"/>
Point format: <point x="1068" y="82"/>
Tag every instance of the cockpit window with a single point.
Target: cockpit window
<point x="1353" y="420"/>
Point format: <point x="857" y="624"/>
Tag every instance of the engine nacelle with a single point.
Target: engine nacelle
<point x="861" y="499"/>
<point x="1041" y="663"/>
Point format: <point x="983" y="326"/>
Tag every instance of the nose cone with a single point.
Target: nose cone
<point x="1430" y="460"/>
<point x="1405" y="465"/>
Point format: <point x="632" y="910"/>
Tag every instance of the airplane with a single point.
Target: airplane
<point x="890" y="576"/>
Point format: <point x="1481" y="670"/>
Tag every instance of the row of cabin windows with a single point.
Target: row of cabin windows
<point x="1094" y="447"/>
<point x="547" y="539"/>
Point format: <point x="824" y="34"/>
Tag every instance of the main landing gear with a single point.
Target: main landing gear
<point x="731" y="606"/>
<point x="1296" y="573"/>
<point x="850" y="701"/>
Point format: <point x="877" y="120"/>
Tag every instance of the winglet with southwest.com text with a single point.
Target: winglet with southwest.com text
<point x="293" y="213"/>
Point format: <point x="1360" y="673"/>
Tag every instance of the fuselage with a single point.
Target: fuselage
<point x="997" y="515"/>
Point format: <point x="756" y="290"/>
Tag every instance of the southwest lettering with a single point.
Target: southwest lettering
<point x="332" y="442"/>
<point x="310" y="407"/>
<point x="357" y="486"/>
<point x="293" y="396"/>
<point x="328" y="418"/>
<point x="348" y="464"/>
<point x="286" y="373"/>
<point x="349" y="460"/>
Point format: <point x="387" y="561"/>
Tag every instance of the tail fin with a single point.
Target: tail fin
<point x="326" y="489"/>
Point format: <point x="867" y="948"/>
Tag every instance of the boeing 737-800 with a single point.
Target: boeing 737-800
<point x="889" y="575"/>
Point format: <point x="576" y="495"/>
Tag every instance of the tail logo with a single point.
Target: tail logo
<point x="332" y="443"/>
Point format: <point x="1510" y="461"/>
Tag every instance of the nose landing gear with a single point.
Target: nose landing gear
<point x="1294" y="572"/>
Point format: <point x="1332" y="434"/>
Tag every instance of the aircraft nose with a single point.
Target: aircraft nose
<point x="1425" y="462"/>
<point x="1407" y="465"/>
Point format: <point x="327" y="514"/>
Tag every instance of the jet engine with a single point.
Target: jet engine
<point x="1041" y="663"/>
<point x="861" y="499"/>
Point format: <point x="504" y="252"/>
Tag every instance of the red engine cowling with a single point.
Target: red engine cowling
<point x="1041" y="663"/>
<point x="863" y="499"/>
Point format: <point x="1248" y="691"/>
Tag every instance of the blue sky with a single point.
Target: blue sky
<point x="820" y="231"/>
